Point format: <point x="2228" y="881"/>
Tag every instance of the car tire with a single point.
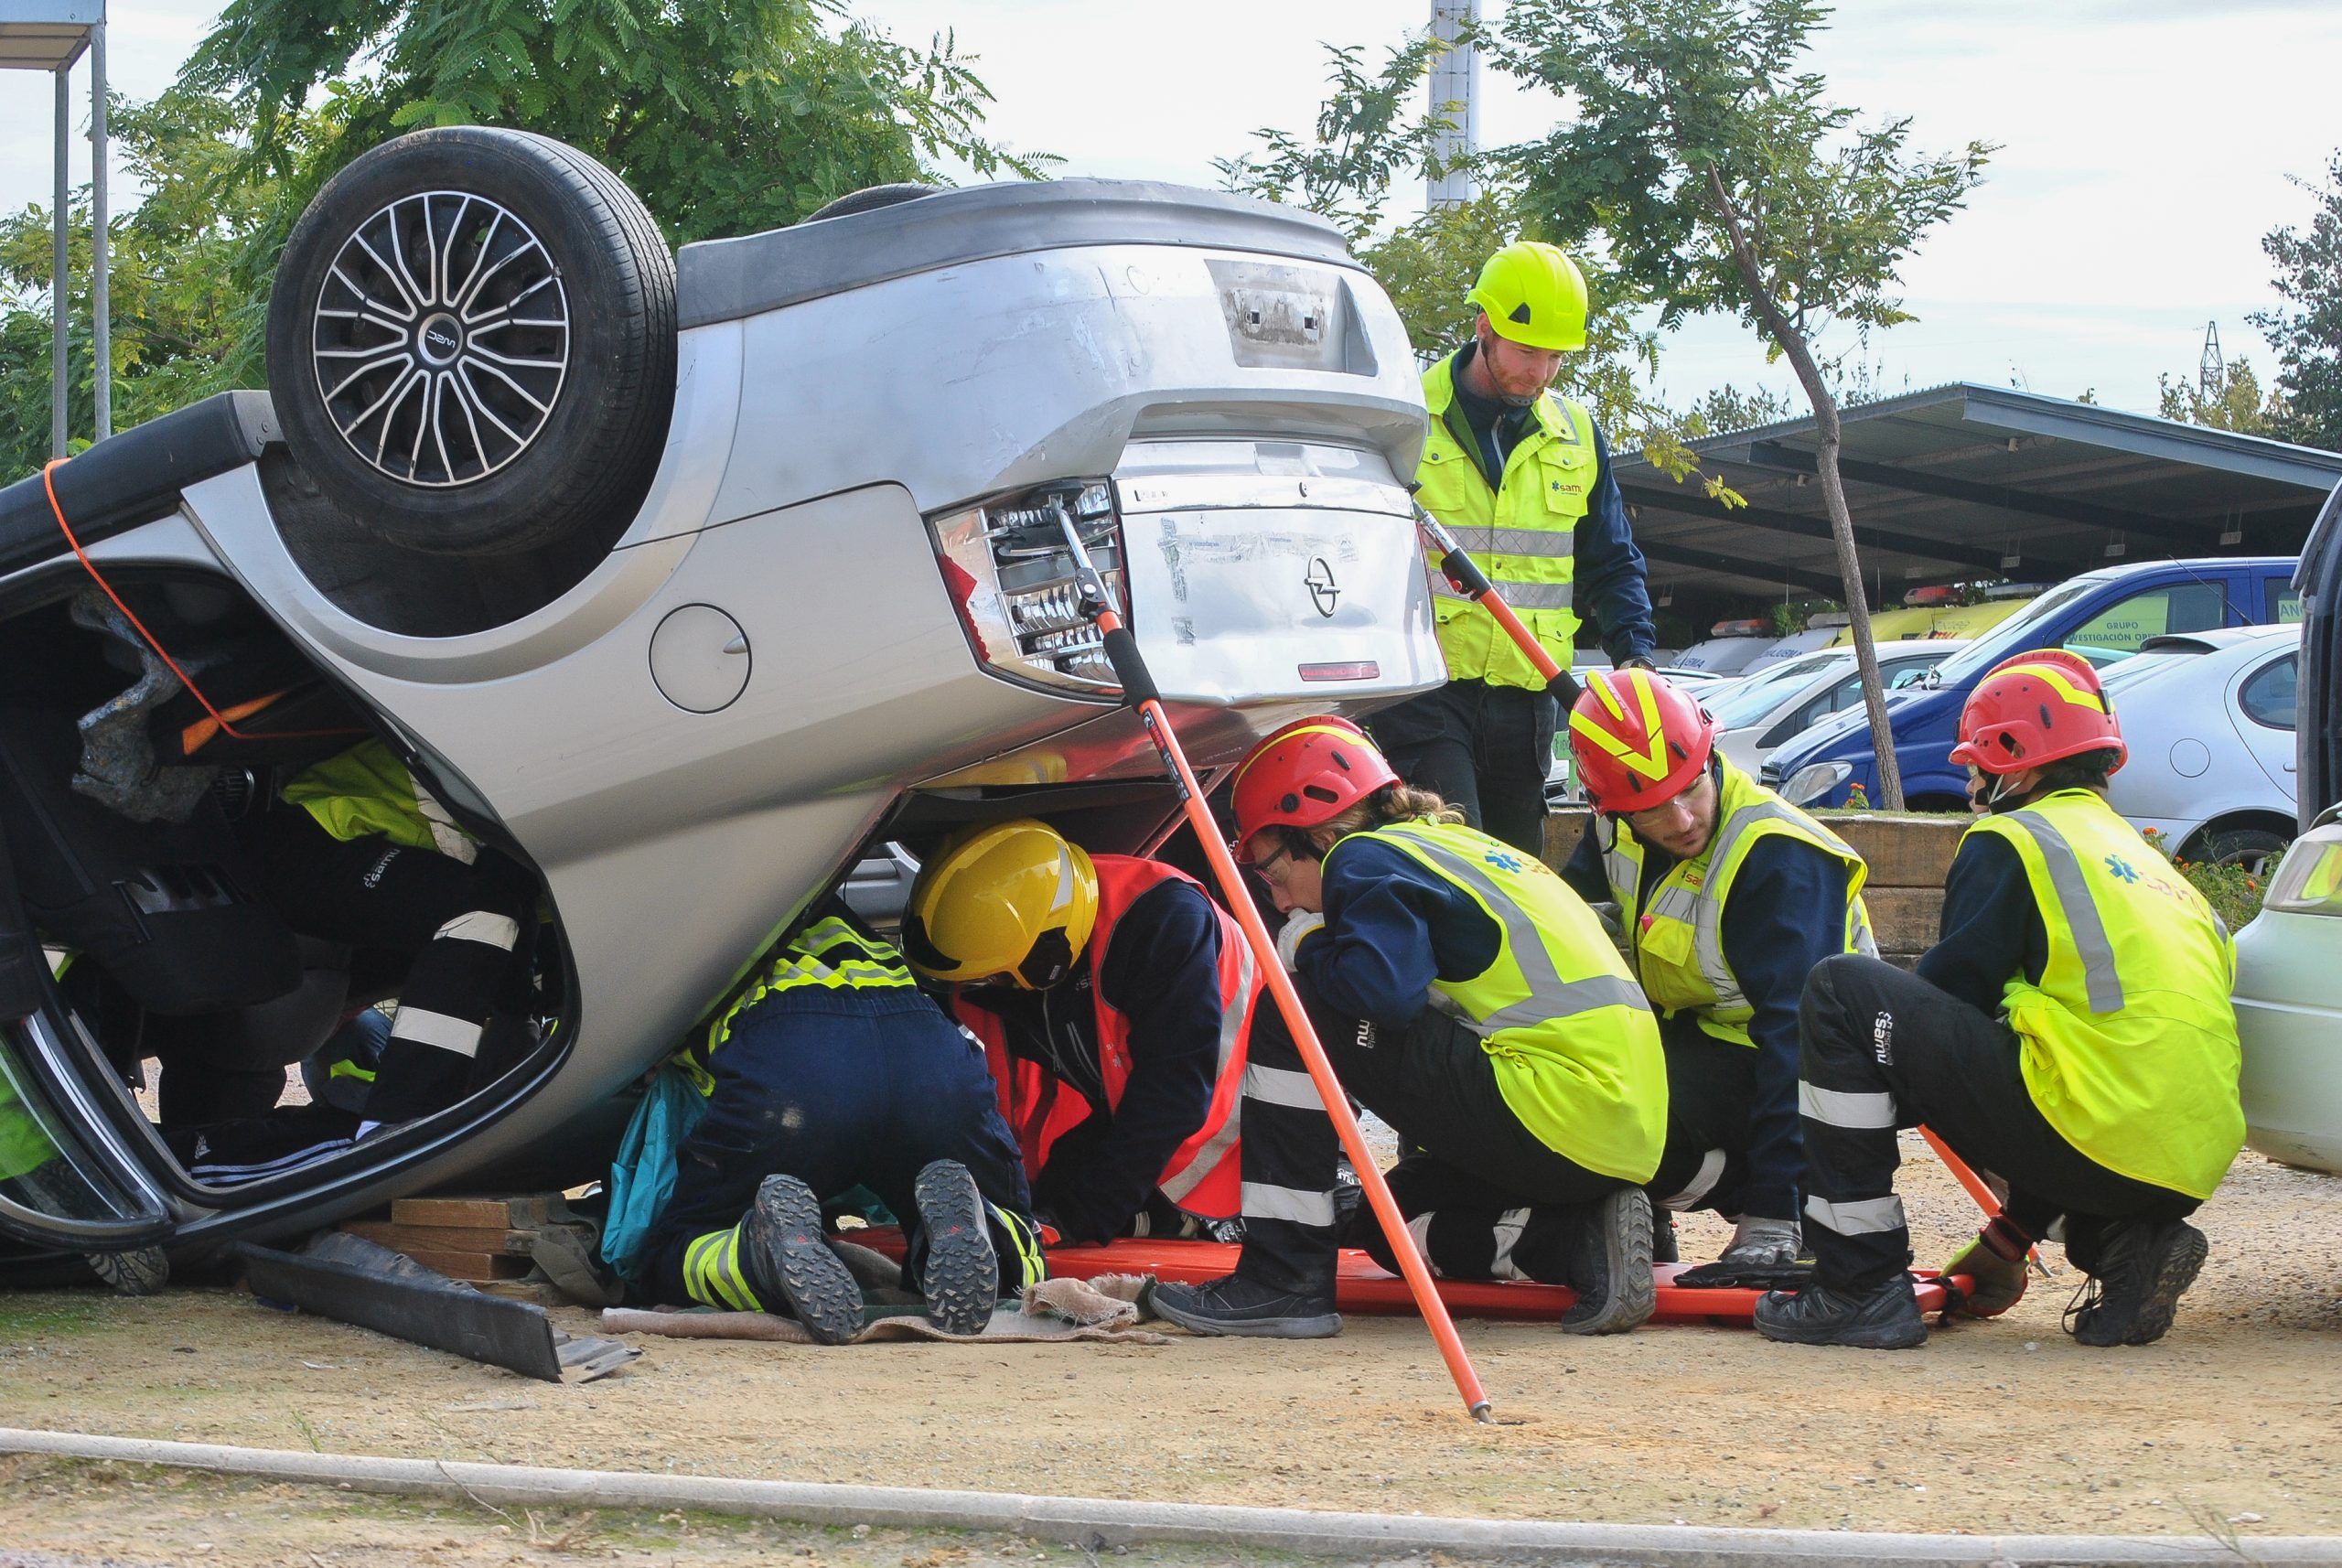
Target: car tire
<point x="2255" y="849"/>
<point x="471" y="343"/>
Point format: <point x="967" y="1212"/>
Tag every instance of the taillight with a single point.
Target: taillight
<point x="2309" y="879"/>
<point x="1011" y="578"/>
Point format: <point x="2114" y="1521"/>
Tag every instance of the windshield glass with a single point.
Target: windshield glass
<point x="2014" y="635"/>
<point x="1760" y="695"/>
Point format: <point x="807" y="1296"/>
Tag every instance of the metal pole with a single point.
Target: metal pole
<point x="60" y="276"/>
<point x="101" y="316"/>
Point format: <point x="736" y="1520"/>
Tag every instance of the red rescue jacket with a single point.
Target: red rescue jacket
<point x="1202" y="1176"/>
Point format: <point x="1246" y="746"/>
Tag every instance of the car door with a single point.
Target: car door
<point x="2263" y="704"/>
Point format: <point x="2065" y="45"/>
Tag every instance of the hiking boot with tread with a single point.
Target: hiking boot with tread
<point x="1885" y="1317"/>
<point x="1610" y="1265"/>
<point x="2135" y="1280"/>
<point x="960" y="1277"/>
<point x="784" y="1251"/>
<point x="1237" y="1307"/>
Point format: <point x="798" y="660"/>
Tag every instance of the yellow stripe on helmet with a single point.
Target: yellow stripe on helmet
<point x="2050" y="675"/>
<point x="1339" y="732"/>
<point x="1652" y="763"/>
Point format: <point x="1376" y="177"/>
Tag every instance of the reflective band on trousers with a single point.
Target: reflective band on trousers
<point x="2104" y="985"/>
<point x="1861" y="1217"/>
<point x="1835" y="1108"/>
<point x="1703" y="1182"/>
<point x="1262" y="1201"/>
<point x="1550" y="996"/>
<point x="1280" y="1086"/>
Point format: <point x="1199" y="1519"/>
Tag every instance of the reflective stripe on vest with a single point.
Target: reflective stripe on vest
<point x="1202" y="1175"/>
<point x="829" y="954"/>
<point x="1684" y="919"/>
<point x="1574" y="1045"/>
<point x="2128" y="1043"/>
<point x="1522" y="533"/>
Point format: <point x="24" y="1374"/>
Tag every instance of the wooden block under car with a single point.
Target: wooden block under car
<point x="517" y="1213"/>
<point x="404" y="1237"/>
<point x="476" y="1267"/>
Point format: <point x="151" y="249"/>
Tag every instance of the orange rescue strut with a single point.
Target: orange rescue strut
<point x="1465" y="573"/>
<point x="1139" y="692"/>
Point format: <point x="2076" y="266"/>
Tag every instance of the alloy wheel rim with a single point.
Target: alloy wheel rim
<point x="441" y="340"/>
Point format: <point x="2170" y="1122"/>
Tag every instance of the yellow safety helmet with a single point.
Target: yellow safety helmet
<point x="1534" y="295"/>
<point x="1015" y="899"/>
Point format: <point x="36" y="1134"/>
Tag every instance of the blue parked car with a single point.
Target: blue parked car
<point x="2104" y="616"/>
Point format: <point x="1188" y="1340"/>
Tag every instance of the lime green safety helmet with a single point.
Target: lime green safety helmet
<point x="1534" y="295"/>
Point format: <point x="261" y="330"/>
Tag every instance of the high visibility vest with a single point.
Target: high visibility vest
<point x="2129" y="1044"/>
<point x="1522" y="532"/>
<point x="366" y="791"/>
<point x="25" y="1144"/>
<point x="1574" y="1042"/>
<point x="828" y="955"/>
<point x="1676" y="938"/>
<point x="1202" y="1176"/>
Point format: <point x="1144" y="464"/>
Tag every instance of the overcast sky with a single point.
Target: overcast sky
<point x="2146" y="147"/>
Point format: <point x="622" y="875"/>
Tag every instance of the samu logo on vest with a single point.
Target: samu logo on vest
<point x="1502" y="861"/>
<point x="2118" y="866"/>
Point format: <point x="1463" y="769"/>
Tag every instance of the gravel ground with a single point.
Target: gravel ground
<point x="2227" y="1424"/>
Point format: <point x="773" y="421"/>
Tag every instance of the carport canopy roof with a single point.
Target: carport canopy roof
<point x="1967" y="483"/>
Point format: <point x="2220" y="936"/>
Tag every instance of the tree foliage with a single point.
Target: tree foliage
<point x="1721" y="178"/>
<point x="2238" y="403"/>
<point x="2306" y="331"/>
<point x="726" y="116"/>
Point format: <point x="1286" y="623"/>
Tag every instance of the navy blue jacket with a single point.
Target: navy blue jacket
<point x="1992" y="930"/>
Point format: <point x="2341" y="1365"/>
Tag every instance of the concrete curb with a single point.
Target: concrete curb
<point x="1100" y="1520"/>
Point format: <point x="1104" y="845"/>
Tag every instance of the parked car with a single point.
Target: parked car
<point x="689" y="583"/>
<point x="2210" y="719"/>
<point x="2289" y="959"/>
<point x="2103" y="614"/>
<point x="1764" y="713"/>
<point x="1731" y="647"/>
<point x="2289" y="1005"/>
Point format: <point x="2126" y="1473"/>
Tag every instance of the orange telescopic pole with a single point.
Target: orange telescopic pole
<point x="1138" y="691"/>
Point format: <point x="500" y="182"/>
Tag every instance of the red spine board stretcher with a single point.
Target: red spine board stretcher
<point x="1363" y="1286"/>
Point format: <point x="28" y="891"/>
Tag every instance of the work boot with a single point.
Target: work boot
<point x="959" y="1276"/>
<point x="2138" y="1271"/>
<point x="142" y="1271"/>
<point x="1885" y="1317"/>
<point x="784" y="1254"/>
<point x="1244" y="1308"/>
<point x="1609" y="1265"/>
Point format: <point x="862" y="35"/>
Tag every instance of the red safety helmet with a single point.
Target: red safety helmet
<point x="1309" y="772"/>
<point x="1639" y="741"/>
<point x="2035" y="708"/>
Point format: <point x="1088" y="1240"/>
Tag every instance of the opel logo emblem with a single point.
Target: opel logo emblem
<point x="1323" y="590"/>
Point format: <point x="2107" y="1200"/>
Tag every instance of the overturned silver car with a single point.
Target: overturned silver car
<point x="685" y="582"/>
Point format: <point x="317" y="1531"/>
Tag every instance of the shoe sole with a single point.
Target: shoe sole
<point x="1626" y="1258"/>
<point x="2183" y="1260"/>
<point x="960" y="1278"/>
<point x="1886" y="1337"/>
<point x="141" y="1271"/>
<point x="1318" y="1326"/>
<point x="814" y="1279"/>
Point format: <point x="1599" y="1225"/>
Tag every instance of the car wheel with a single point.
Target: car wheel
<point x="471" y="343"/>
<point x="2254" y="849"/>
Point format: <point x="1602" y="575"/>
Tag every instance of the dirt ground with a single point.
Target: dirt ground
<point x="2226" y="1424"/>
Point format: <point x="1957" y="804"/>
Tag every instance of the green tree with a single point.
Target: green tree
<point x="182" y="327"/>
<point x="2306" y="332"/>
<point x="1721" y="178"/>
<point x="1365" y="143"/>
<point x="2238" y="403"/>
